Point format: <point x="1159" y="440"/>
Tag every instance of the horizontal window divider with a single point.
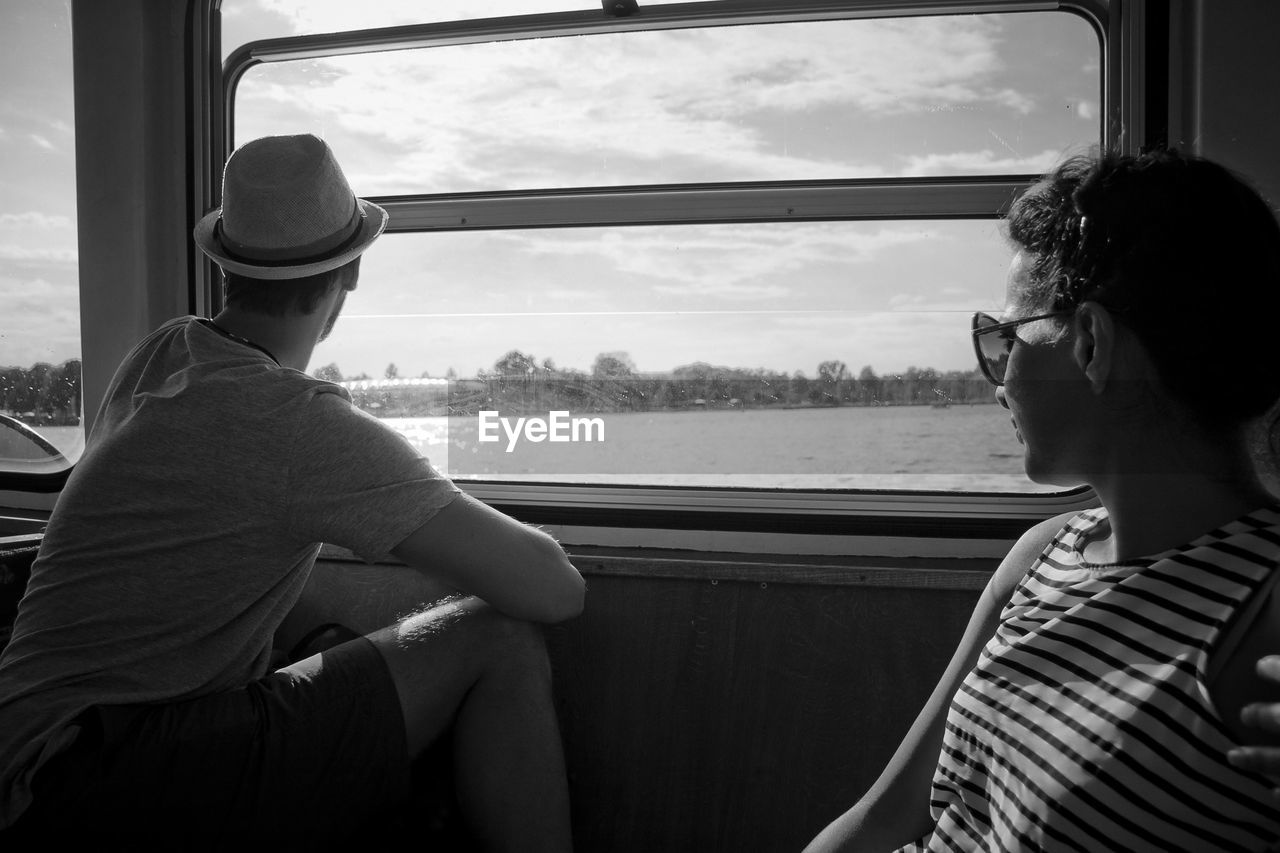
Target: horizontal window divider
<point x="908" y="526"/>
<point x="735" y="571"/>
<point x="782" y="502"/>
<point x="650" y="17"/>
<point x="918" y="517"/>
<point x="900" y="198"/>
<point x="950" y="573"/>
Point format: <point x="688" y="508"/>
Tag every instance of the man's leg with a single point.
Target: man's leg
<point x="465" y="664"/>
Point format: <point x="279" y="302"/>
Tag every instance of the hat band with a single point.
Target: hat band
<point x="318" y="250"/>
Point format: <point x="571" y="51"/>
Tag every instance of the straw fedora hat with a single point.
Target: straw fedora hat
<point x="287" y="212"/>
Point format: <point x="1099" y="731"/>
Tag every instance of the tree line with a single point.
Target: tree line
<point x="46" y="394"/>
<point x="518" y="382"/>
<point x="42" y="394"/>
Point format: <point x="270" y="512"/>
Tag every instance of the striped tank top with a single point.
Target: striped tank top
<point x="1087" y="724"/>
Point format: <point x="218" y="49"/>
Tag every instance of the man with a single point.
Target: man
<point x="136" y="700"/>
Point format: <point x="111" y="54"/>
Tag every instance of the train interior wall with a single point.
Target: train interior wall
<point x="731" y="703"/>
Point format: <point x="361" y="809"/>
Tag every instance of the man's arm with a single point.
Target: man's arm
<point x="895" y="811"/>
<point x="517" y="569"/>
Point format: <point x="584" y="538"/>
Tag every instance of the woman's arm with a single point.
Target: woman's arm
<point x="895" y="811"/>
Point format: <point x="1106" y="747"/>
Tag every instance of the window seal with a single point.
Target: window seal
<point x="769" y="521"/>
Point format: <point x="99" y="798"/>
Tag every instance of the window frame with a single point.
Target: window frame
<point x="726" y="515"/>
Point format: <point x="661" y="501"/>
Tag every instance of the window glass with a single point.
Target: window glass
<point x="827" y="355"/>
<point x="800" y="355"/>
<point x="40" y="400"/>
<point x="956" y="95"/>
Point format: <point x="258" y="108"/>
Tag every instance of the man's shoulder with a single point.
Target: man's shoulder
<point x="200" y="374"/>
<point x="164" y="331"/>
<point x="262" y="394"/>
<point x="317" y="394"/>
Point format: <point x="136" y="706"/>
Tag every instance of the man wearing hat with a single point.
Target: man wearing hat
<point x="136" y="698"/>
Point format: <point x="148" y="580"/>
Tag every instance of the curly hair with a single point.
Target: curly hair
<point x="1183" y="251"/>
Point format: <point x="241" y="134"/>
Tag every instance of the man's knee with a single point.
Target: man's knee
<point x="439" y="657"/>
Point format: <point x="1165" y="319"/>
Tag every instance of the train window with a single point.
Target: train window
<point x="40" y="400"/>
<point x="687" y="254"/>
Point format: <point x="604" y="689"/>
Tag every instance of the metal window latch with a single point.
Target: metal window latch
<point x="620" y="8"/>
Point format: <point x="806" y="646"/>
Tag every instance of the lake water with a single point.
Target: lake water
<point x="961" y="448"/>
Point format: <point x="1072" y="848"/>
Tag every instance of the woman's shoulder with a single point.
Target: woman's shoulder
<point x="1031" y="545"/>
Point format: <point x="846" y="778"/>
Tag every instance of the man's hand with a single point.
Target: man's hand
<point x="1265" y="717"/>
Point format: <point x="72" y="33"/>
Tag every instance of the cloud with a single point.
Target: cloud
<point x="900" y="62"/>
<point x="23" y="254"/>
<point x="984" y="161"/>
<point x="888" y="341"/>
<point x="932" y="302"/>
<point x="732" y="262"/>
<point x="570" y="294"/>
<point x="712" y="105"/>
<point x="902" y="65"/>
<point x="41" y="142"/>
<point x="436" y="132"/>
<point x="35" y="219"/>
<point x="725" y="287"/>
<point x="42" y="321"/>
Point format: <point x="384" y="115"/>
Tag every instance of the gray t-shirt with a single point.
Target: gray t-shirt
<point x="187" y="531"/>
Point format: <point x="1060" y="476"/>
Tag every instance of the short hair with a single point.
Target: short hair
<point x="277" y="297"/>
<point x="1183" y="251"/>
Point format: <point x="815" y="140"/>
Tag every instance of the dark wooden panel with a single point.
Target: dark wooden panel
<point x="712" y="715"/>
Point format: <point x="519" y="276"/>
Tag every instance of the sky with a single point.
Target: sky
<point x="39" y="296"/>
<point x="932" y="96"/>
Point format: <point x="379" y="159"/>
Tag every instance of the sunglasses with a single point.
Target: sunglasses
<point x="993" y="341"/>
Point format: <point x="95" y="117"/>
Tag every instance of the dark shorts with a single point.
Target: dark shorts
<point x="298" y="760"/>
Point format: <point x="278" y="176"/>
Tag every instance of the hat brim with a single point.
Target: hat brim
<point x="372" y="224"/>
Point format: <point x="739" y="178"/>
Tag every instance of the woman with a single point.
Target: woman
<point x="1095" y="701"/>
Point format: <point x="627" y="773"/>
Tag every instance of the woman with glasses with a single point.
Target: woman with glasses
<point x="1098" y="698"/>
